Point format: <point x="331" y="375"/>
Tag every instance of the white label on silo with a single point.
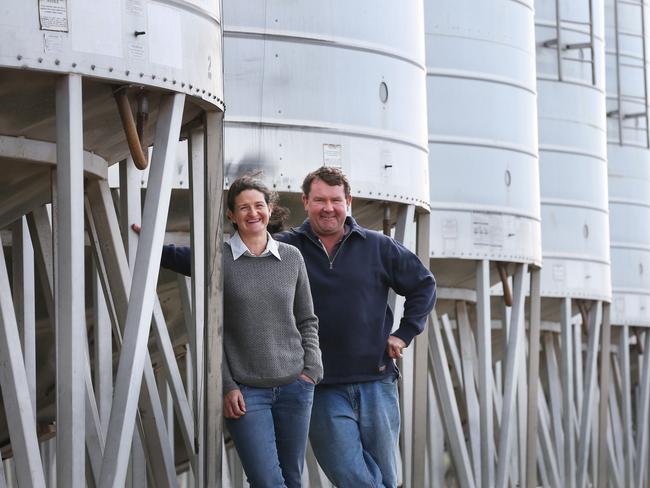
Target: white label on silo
<point x="332" y="155"/>
<point x="53" y="15"/>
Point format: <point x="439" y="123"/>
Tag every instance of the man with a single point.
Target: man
<point x="355" y="418"/>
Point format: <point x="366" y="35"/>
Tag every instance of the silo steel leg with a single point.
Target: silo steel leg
<point x="589" y="391"/>
<point x="130" y="213"/>
<point x="448" y="406"/>
<point x="548" y="453"/>
<point x="435" y="442"/>
<point x="533" y="376"/>
<point x="213" y="296"/>
<point x="196" y="157"/>
<point x="469" y="365"/>
<point x="22" y="254"/>
<point x="41" y="233"/>
<point x="141" y="299"/>
<point x="420" y="367"/>
<point x="642" y="415"/>
<point x="106" y="242"/>
<point x="555" y="393"/>
<point x="17" y="402"/>
<point x="486" y="378"/>
<point x="603" y="413"/>
<point x="514" y="358"/>
<point x="103" y="354"/>
<point x="626" y="408"/>
<point x="69" y="284"/>
<point x="567" y="393"/>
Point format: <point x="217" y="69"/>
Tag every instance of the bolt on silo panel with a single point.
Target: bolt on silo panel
<point x="328" y="83"/>
<point x="483" y="131"/>
<point x="572" y="149"/>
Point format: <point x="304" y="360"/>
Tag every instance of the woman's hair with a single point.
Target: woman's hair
<point x="278" y="218"/>
<point x="251" y="182"/>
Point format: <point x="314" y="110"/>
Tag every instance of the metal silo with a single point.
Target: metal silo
<point x="84" y="85"/>
<point x="333" y="83"/>
<point x="485" y="230"/>
<point x="628" y="152"/>
<point x="575" y="284"/>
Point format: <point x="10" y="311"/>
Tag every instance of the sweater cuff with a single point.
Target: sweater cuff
<point x="406" y="334"/>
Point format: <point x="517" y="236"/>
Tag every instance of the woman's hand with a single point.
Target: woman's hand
<point x="307" y="378"/>
<point x="233" y="404"/>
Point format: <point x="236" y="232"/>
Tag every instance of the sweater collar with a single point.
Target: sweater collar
<point x="306" y="229"/>
<point x="239" y="248"/>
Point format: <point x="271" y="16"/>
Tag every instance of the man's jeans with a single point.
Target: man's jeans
<point x="354" y="433"/>
<point x="271" y="438"/>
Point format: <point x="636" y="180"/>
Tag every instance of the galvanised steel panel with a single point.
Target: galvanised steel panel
<point x="170" y="44"/>
<point x="339" y="83"/>
<point x="149" y="47"/>
<point x="572" y="150"/>
<point x="482" y="130"/>
<point x="629" y="161"/>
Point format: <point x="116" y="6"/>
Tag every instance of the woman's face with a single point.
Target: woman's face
<point x="251" y="213"/>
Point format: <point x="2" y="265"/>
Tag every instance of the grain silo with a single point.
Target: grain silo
<point x="485" y="229"/>
<point x="84" y="86"/>
<point x="576" y="286"/>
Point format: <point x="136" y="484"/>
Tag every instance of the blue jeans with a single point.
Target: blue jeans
<point x="354" y="433"/>
<point x="271" y="438"/>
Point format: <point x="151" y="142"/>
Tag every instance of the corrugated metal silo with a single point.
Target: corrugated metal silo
<point x="628" y="152"/>
<point x="328" y="84"/>
<point x="333" y="83"/>
<point x="73" y="72"/>
<point x="485" y="224"/>
<point x="575" y="232"/>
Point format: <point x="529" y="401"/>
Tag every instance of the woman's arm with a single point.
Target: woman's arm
<point x="307" y="324"/>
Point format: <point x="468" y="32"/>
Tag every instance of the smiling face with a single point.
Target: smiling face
<point x="326" y="207"/>
<point x="251" y="213"/>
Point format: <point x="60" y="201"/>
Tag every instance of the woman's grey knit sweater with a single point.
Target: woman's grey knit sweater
<point x="271" y="332"/>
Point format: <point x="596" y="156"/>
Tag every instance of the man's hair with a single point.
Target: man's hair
<point x="329" y="174"/>
<point x="249" y="182"/>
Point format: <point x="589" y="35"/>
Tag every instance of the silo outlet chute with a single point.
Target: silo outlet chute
<point x="85" y="85"/>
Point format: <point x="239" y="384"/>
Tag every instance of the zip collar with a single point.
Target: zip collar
<point x="306" y="230"/>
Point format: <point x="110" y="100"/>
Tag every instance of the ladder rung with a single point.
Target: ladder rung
<point x="634" y="115"/>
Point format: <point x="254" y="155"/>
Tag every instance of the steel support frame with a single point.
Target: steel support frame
<point x="69" y="284"/>
<point x="141" y="300"/>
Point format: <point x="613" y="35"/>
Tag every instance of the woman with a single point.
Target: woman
<point x="271" y="356"/>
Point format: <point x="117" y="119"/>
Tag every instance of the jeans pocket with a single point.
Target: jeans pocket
<point x="308" y="385"/>
<point x="390" y="379"/>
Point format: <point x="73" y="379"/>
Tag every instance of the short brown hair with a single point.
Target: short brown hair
<point x="329" y="174"/>
<point x="249" y="182"/>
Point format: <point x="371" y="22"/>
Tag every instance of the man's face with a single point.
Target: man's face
<point x="326" y="208"/>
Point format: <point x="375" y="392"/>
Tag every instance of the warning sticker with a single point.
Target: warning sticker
<point x="53" y="15"/>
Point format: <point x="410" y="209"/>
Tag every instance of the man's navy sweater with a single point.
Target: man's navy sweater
<point x="350" y="292"/>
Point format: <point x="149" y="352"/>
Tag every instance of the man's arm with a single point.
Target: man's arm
<point x="411" y="279"/>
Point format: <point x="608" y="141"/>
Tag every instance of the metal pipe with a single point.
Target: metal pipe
<point x="130" y="129"/>
<point x="387" y="220"/>
<point x="142" y="117"/>
<point x="503" y="274"/>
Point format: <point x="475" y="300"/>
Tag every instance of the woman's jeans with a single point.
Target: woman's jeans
<point x="271" y="438"/>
